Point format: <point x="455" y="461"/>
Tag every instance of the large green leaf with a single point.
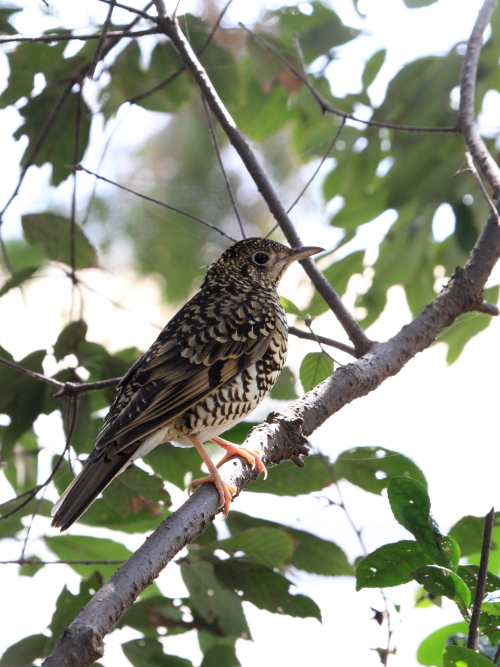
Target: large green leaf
<point x="287" y="479"/>
<point x="315" y="367"/>
<point x="149" y="653"/>
<point x="460" y="656"/>
<point x="390" y="565"/>
<point x="338" y="274"/>
<point x="53" y="233"/>
<point x="82" y="548"/>
<point x="24" y="652"/>
<point x="371" y="468"/>
<point x="430" y="651"/>
<point x="268" y="546"/>
<point x="148" y="615"/>
<point x="411" y="506"/>
<point x="441" y="581"/>
<point x="264" y="588"/>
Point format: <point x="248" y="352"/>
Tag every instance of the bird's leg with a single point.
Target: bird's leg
<point x="251" y="455"/>
<point x="225" y="490"/>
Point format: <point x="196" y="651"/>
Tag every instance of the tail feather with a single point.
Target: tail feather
<point x="97" y="472"/>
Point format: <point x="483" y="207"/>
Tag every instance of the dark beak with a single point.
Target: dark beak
<point x="303" y="253"/>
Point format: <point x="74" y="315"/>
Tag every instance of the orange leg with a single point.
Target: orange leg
<point x="251" y="455"/>
<point x="225" y="490"/>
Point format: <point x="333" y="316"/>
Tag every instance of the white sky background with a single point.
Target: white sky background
<point x="429" y="412"/>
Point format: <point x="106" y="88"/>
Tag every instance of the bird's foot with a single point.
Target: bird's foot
<point x="226" y="491"/>
<point x="251" y="455"/>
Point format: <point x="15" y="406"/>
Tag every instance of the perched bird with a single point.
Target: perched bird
<point x="212" y="364"/>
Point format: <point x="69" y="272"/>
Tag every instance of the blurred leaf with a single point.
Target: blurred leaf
<point x="410" y="505"/>
<point x="264" y="588"/>
<point x="291" y="308"/>
<point x="315" y="367"/>
<point x="289" y="480"/>
<point x="24" y="652"/>
<point x="373" y="67"/>
<point x="466" y="327"/>
<point x="173" y="463"/>
<point x="11" y="525"/>
<point x="80" y="547"/>
<point x="442" y="581"/>
<point x="220" y="656"/>
<point x="149" y="653"/>
<point x="412" y="4"/>
<point x="7" y="28"/>
<point x="468" y="532"/>
<point x="268" y="546"/>
<point x="460" y="656"/>
<point x="338" y="274"/>
<point x="390" y="565"/>
<point x="70" y="339"/>
<point x="430" y="651"/>
<point x="21" y="470"/>
<point x="312" y="554"/>
<point x="69" y="605"/>
<point x="30" y="569"/>
<point x="18" y="278"/>
<point x="52" y="232"/>
<point x="465" y="230"/>
<point x="284" y="389"/>
<point x="372" y="467"/>
<point x="148" y="615"/>
<point x="214" y="603"/>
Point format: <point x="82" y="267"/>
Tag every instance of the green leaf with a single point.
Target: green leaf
<point x="70" y="339"/>
<point x="390" y="565"/>
<point x="410" y="505"/>
<point x="371" y="468"/>
<point x="7" y="28"/>
<point x="373" y="67"/>
<point x="30" y="569"/>
<point x="284" y="389"/>
<point x="468" y="532"/>
<point x="79" y="547"/>
<point x="220" y="655"/>
<point x="68" y="605"/>
<point x="315" y="367"/>
<point x="173" y="463"/>
<point x="214" y="603"/>
<point x="466" y="327"/>
<point x="312" y="554"/>
<point x="338" y="274"/>
<point x="53" y="232"/>
<point x="264" y="588"/>
<point x="10" y="525"/>
<point x="18" y="278"/>
<point x="24" y="653"/>
<point x="291" y="308"/>
<point x="430" y="651"/>
<point x="149" y="653"/>
<point x="459" y="656"/>
<point x="413" y="4"/>
<point x="442" y="581"/>
<point x="268" y="546"/>
<point x="148" y="615"/>
<point x="287" y="479"/>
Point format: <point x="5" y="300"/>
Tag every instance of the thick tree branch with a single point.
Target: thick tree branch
<point x="169" y="25"/>
<point x="466" y="115"/>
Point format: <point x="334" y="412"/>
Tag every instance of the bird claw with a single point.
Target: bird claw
<point x="226" y="491"/>
<point x="250" y="455"/>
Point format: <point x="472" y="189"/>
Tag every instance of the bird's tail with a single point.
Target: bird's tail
<point x="97" y="472"/>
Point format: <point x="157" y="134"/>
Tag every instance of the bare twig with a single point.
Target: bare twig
<point x="327" y="108"/>
<point x="473" y="170"/>
<point x="473" y="638"/>
<point x="49" y="39"/>
<point x="221" y="165"/>
<point x="134" y="10"/>
<point x="80" y="167"/>
<point x="74" y="388"/>
<point x="33" y="374"/>
<point x="100" y="45"/>
<point x="170" y="27"/>
<point x="34" y="561"/>
<point x="324" y="341"/>
<point x="466" y="115"/>
<point x="76" y="156"/>
<point x="174" y="75"/>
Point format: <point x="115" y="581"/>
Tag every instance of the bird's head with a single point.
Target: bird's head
<point x="257" y="261"/>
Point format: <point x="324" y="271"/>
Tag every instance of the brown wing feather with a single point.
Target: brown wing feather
<point x="181" y="368"/>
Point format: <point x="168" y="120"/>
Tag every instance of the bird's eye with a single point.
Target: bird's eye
<point x="261" y="258"/>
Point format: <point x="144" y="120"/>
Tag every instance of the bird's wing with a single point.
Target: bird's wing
<point x="188" y="362"/>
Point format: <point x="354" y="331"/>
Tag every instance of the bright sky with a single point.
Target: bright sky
<point x="428" y="412"/>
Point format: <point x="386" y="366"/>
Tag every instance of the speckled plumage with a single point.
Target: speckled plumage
<point x="212" y="364"/>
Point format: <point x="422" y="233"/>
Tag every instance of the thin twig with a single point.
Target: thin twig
<point x="97" y="54"/>
<point x="321" y="339"/>
<point x="466" y="114"/>
<point x="221" y="165"/>
<point x="48" y="39"/>
<point x="80" y="167"/>
<point x="327" y="108"/>
<point x="170" y="27"/>
<point x="472" y="167"/>
<point x="134" y="10"/>
<point x="34" y="561"/>
<point x="33" y="374"/>
<point x="174" y="75"/>
<point x="76" y="155"/>
<point x="74" y="388"/>
<point x="73" y="403"/>
<point x="473" y="638"/>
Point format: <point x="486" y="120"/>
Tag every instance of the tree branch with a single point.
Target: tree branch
<point x="49" y="39"/>
<point x="324" y="341"/>
<point x="473" y="638"/>
<point x="170" y="26"/>
<point x="466" y="115"/>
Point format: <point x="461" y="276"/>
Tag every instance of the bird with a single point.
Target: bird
<point x="210" y="366"/>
